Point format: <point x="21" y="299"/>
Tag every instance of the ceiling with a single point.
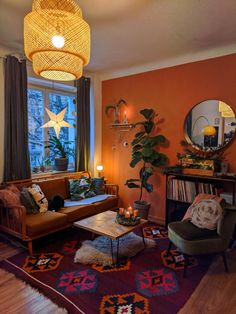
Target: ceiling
<point x="135" y="32"/>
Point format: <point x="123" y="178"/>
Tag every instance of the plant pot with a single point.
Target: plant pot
<point x="61" y="164"/>
<point x="143" y="208"/>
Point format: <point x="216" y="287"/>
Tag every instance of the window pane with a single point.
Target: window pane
<point x="57" y="102"/>
<point x="35" y="121"/>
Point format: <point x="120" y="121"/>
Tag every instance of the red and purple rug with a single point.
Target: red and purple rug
<point x="150" y="282"/>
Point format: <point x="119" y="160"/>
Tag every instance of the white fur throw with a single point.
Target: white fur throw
<point x="207" y="214"/>
<point x="39" y="197"/>
<point x="98" y="251"/>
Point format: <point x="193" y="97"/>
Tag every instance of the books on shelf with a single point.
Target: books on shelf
<point x="186" y="191"/>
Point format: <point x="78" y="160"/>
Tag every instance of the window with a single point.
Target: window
<point x="55" y="101"/>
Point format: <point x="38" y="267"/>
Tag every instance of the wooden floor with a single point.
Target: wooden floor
<point x="215" y="294"/>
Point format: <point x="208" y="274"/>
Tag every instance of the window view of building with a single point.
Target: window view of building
<point x="55" y="101"/>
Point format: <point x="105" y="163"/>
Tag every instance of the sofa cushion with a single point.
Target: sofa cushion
<point x="54" y="187"/>
<point x="28" y="201"/>
<point x="186" y="230"/>
<point x="75" y="213"/>
<point x="42" y="223"/>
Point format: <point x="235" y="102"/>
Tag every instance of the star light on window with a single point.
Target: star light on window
<point x="57" y="121"/>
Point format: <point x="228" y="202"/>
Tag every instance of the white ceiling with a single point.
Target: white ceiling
<point x="128" y="33"/>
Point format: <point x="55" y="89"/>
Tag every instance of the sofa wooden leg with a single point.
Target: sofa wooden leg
<point x="225" y="261"/>
<point x="30" y="247"/>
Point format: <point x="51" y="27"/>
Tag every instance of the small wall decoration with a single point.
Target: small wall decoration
<point x="116" y="110"/>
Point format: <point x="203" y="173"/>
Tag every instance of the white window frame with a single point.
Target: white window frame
<point x="46" y="89"/>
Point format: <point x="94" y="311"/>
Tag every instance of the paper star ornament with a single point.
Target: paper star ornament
<point x="57" y="121"/>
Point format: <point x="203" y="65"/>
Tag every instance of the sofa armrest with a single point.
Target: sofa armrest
<point x="13" y="220"/>
<point x="111" y="189"/>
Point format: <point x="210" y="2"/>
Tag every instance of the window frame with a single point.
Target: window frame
<point x="46" y="90"/>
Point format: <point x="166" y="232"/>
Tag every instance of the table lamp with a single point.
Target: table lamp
<point x="99" y="168"/>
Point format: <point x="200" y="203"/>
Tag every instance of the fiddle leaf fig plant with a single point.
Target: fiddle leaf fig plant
<point x="145" y="153"/>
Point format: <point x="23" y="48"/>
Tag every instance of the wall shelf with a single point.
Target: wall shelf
<point x="124" y="126"/>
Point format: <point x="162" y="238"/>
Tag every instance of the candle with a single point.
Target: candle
<point x="125" y="118"/>
<point x="121" y="211"/>
<point x="127" y="214"/>
<point x="130" y="209"/>
<point x="136" y="212"/>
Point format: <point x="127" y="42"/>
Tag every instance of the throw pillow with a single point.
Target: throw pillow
<point x="80" y="189"/>
<point x="39" y="197"/>
<point x="28" y="201"/>
<point x="55" y="203"/>
<point x="200" y="197"/>
<point x="207" y="214"/>
<point x="98" y="185"/>
<point x="10" y="197"/>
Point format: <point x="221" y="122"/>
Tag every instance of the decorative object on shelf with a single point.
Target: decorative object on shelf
<point x="144" y="150"/>
<point x="59" y="152"/>
<point x="207" y="130"/>
<point x="57" y="39"/>
<point x="99" y="168"/>
<point x="194" y="161"/>
<point x="199" y="129"/>
<point x="57" y="121"/>
<point x="128" y="217"/>
<point x="116" y="110"/>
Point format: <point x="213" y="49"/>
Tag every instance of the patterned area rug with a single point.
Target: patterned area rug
<point x="149" y="282"/>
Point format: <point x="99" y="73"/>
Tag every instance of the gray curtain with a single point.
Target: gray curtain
<point x="83" y="124"/>
<point x="16" y="153"/>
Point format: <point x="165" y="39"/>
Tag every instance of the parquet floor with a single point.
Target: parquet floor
<point x="215" y="294"/>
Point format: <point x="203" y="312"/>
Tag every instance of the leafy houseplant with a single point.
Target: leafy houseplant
<point x="60" y="152"/>
<point x="144" y="151"/>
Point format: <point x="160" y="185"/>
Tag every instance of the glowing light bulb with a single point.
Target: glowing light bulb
<point x="58" y="41"/>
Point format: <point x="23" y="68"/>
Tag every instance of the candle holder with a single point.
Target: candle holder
<point x="128" y="216"/>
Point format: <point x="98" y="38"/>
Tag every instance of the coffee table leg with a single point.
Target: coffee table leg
<point x="117" y="250"/>
<point x="144" y="243"/>
<point x="112" y="252"/>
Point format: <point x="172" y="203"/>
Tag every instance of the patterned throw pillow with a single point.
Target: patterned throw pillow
<point x="207" y="214"/>
<point x="80" y="189"/>
<point x="39" y="197"/>
<point x="28" y="201"/>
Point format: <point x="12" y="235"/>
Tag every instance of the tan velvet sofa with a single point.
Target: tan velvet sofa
<point x="15" y="221"/>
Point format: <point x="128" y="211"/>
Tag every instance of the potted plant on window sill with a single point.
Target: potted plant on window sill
<point x="59" y="152"/>
<point x="145" y="153"/>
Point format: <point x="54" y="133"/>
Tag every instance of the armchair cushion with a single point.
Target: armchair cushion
<point x="188" y="231"/>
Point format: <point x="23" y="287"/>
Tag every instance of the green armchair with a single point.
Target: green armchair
<point x="191" y="240"/>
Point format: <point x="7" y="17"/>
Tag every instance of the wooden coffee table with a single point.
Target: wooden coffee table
<point x="105" y="224"/>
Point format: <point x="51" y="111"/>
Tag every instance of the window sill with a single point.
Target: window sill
<point x="49" y="172"/>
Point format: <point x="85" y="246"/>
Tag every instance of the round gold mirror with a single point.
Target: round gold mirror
<point x="210" y="125"/>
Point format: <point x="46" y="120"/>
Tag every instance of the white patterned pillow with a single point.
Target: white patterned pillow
<point x="39" y="197"/>
<point x="207" y="214"/>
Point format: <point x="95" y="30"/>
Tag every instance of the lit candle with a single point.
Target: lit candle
<point x="125" y="118"/>
<point x="127" y="214"/>
<point x="130" y="209"/>
<point x="121" y="211"/>
<point x="135" y="212"/>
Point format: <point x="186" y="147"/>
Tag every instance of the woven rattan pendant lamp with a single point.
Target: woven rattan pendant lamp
<point x="57" y="39"/>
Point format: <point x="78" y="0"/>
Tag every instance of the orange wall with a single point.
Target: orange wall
<point x="172" y="92"/>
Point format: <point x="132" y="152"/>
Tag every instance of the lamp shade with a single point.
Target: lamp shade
<point x="99" y="167"/>
<point x="57" y="39"/>
<point x="209" y="130"/>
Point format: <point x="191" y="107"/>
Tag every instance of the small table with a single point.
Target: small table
<point x="105" y="224"/>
